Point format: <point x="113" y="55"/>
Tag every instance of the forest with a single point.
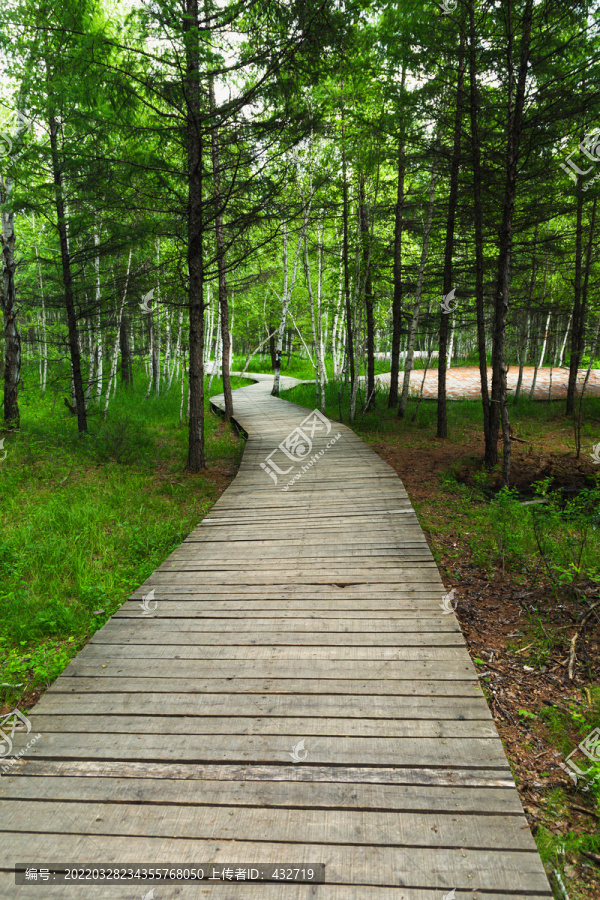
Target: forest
<point x="367" y="195"/>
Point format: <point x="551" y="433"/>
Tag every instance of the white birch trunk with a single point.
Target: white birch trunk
<point x="285" y="303"/>
<point x="99" y="350"/>
<point x="419" y="289"/>
<point x="564" y="343"/>
<point x="451" y="347"/>
<point x="176" y="354"/>
<point x="115" y="354"/>
<point x="150" y="371"/>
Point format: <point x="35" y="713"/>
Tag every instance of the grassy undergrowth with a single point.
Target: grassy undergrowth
<point x="527" y="416"/>
<point x="86" y="520"/>
<point x="299" y="367"/>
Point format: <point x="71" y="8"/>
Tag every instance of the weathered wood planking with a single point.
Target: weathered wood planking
<point x="286" y="687"/>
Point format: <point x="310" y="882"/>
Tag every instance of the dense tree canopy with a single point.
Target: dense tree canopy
<point x="337" y="180"/>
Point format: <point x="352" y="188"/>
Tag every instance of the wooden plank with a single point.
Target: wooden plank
<point x="268" y="794"/>
<point x="274" y="648"/>
<point x="359" y="643"/>
<point x="355" y="827"/>
<point x="250" y="725"/>
<point x="446" y="706"/>
<point x="455" y="667"/>
<point x="507" y="872"/>
<point x="273" y="891"/>
<point x="322" y="750"/>
<point x="417" y="776"/>
<point x="422" y="687"/>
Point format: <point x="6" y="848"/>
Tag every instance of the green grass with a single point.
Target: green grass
<point x="299" y="367"/>
<point x="527" y="416"/>
<point x="86" y="520"/>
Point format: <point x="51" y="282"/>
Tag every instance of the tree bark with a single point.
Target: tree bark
<point x="580" y="298"/>
<point x="114" y="359"/>
<point x="61" y="223"/>
<point x="12" y="339"/>
<point x="126" y="361"/>
<point x="564" y="343"/>
<point x="523" y="349"/>
<point x="349" y="335"/>
<point x="285" y="302"/>
<point x="442" y="417"/>
<point x="220" y="238"/>
<point x="499" y="409"/>
<point x="478" y="219"/>
<point x="398" y="229"/>
<point x="366" y="258"/>
<point x="99" y="345"/>
<point x="195" y="248"/>
<point x="408" y="365"/>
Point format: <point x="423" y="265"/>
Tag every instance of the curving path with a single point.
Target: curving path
<point x="295" y="694"/>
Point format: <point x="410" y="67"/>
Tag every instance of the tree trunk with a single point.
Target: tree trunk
<point x="349" y="335"/>
<point x="478" y="219"/>
<point x="220" y="237"/>
<point x="316" y="334"/>
<point x="12" y="340"/>
<point x="152" y="355"/>
<point x="580" y="298"/>
<point x="74" y="350"/>
<point x="442" y="417"/>
<point x="285" y="302"/>
<point x="539" y="365"/>
<point x="577" y="329"/>
<point x="177" y="352"/>
<point x="112" y="377"/>
<point x="408" y="365"/>
<point x="99" y="346"/>
<point x="195" y="249"/>
<point x="499" y="409"/>
<point x="366" y="259"/>
<point x="564" y="343"/>
<point x="398" y="228"/>
<point x="44" y="341"/>
<point x="451" y="347"/>
<point x="272" y="348"/>
<point x="126" y="361"/>
<point x="523" y="350"/>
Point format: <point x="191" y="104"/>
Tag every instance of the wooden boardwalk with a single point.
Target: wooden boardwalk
<point x="293" y="624"/>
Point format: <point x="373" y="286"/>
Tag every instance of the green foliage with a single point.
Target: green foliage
<point x="501" y="532"/>
<point x="566" y="535"/>
<point x="87" y="520"/>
